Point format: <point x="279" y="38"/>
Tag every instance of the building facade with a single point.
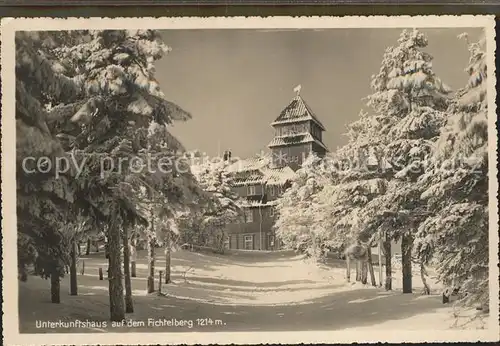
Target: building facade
<point x="260" y="181"/>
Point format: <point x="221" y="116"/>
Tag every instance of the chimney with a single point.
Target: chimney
<point x="227" y="155"/>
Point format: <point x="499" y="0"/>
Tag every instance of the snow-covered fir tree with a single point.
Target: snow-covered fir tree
<point x="455" y="235"/>
<point x="360" y="172"/>
<point x="410" y="101"/>
<point x="299" y="222"/>
<point x="108" y="123"/>
<point x="224" y="205"/>
<point x="43" y="199"/>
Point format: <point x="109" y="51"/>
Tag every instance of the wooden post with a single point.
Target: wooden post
<point x="159" y="282"/>
<point x="100" y="274"/>
<point x="87" y="250"/>
<point x="83" y="267"/>
<point x="133" y="269"/>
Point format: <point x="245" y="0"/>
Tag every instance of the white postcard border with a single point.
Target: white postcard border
<point x="9" y="271"/>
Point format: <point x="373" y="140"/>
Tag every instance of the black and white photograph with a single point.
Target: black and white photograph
<point x="293" y="180"/>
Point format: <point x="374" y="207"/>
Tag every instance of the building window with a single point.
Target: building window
<point x="251" y="190"/>
<point x="271" y="211"/>
<point x="248" y="242"/>
<point x="248" y="215"/>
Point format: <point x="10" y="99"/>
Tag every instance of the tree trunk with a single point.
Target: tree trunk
<point x="388" y="265"/>
<point x="370" y="268"/>
<point x="129" y="306"/>
<point x="151" y="265"/>
<point x="133" y="258"/>
<point x="348" y="268"/>
<point x="73" y="284"/>
<point x="359" y="271"/>
<point x="423" y="273"/>
<point x="116" y="306"/>
<point x="79" y="249"/>
<point x="364" y="272"/>
<point x="55" y="286"/>
<point x="87" y="250"/>
<point x="406" y="244"/>
<point x="380" y="275"/>
<point x="167" y="260"/>
<point x="96" y="243"/>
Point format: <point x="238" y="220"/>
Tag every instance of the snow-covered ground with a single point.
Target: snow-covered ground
<point x="241" y="292"/>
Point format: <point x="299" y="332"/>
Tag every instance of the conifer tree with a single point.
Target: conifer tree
<point x="455" y="235"/>
<point x="223" y="205"/>
<point x="298" y="224"/>
<point x="411" y="102"/>
<point x="107" y="128"/>
<point x="43" y="196"/>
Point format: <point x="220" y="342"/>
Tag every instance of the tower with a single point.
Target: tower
<point x="297" y="134"/>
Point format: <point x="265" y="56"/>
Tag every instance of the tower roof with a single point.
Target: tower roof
<point x="297" y="111"/>
<point x="299" y="138"/>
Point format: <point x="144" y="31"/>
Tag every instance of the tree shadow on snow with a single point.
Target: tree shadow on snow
<point x="349" y="309"/>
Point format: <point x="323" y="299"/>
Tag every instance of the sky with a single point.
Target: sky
<point x="236" y="82"/>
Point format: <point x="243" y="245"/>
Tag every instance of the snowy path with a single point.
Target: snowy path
<point x="275" y="292"/>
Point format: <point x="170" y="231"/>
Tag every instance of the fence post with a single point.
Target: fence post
<point x="100" y="274"/>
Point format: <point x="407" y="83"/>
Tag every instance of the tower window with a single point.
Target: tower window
<point x="251" y="190"/>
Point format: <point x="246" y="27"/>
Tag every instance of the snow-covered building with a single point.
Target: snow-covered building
<point x="262" y="179"/>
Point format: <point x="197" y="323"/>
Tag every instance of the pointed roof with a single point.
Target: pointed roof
<point x="297" y="111"/>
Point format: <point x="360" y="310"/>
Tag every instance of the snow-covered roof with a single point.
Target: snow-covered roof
<point x="256" y="204"/>
<point x="251" y="177"/>
<point x="278" y="176"/>
<point x="258" y="170"/>
<point x="254" y="163"/>
<point x="305" y="137"/>
<point x="297" y="111"/>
